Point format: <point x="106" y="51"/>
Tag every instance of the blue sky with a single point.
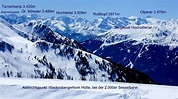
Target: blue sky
<point x="126" y="8"/>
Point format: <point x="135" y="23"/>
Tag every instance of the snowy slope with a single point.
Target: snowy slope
<point x="15" y="88"/>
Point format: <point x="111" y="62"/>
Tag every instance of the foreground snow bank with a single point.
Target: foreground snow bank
<point x="12" y="88"/>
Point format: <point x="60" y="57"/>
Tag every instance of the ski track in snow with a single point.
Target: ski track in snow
<point x="140" y="52"/>
<point x="11" y="88"/>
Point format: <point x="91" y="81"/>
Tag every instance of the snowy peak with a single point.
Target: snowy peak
<point x="15" y="19"/>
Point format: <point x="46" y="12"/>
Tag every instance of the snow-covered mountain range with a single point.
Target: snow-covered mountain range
<point x="110" y="30"/>
<point x="146" y="44"/>
<point x="75" y="27"/>
<point x="33" y="50"/>
<point x="151" y="47"/>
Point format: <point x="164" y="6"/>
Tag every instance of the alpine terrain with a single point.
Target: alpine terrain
<point x="33" y="50"/>
<point x="147" y="45"/>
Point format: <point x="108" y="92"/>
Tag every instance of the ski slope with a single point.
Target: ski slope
<point x="13" y="88"/>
